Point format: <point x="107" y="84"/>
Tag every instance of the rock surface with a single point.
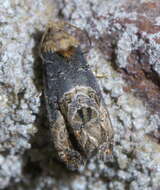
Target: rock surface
<point x="124" y="56"/>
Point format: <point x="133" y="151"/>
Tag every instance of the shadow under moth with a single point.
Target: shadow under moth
<point x="79" y="122"/>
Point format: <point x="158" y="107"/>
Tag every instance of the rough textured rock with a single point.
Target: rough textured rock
<point x="125" y="58"/>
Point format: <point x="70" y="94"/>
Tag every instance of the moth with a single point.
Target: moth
<point x="79" y="122"/>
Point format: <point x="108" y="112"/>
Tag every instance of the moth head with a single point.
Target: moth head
<point x="57" y="39"/>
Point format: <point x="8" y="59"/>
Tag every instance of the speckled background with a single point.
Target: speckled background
<point x="124" y="56"/>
